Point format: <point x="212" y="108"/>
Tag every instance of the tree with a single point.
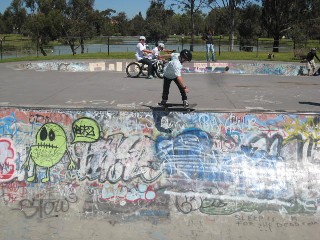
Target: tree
<point x="278" y="17"/>
<point x="44" y="21"/>
<point x="249" y="26"/>
<point x="120" y="24"/>
<point x="157" y="21"/>
<point x="105" y="22"/>
<point x="216" y="20"/>
<point x="16" y="15"/>
<point x="180" y="24"/>
<point x="191" y="7"/>
<point x="136" y="24"/>
<point x="231" y="7"/>
<point x="78" y="22"/>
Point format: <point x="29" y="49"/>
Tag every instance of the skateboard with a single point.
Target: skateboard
<point x="178" y="107"/>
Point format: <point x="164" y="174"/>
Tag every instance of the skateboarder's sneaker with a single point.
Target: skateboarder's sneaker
<point x="185" y="104"/>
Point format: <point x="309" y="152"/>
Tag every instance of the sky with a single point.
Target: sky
<point x="130" y="7"/>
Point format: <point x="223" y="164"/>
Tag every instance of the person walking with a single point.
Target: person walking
<point x="310" y="61"/>
<point x="143" y="54"/>
<point x="209" y="46"/>
<point x="172" y="72"/>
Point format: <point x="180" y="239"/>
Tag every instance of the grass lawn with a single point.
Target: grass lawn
<point x="197" y="56"/>
<point x="19" y="42"/>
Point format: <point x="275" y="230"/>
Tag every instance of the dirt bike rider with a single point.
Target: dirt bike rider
<point x="160" y="48"/>
<point x="172" y="72"/>
<point x="142" y="55"/>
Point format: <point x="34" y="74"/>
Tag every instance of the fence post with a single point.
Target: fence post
<point x="108" y="46"/>
<point x="182" y="38"/>
<point x="257" y="47"/>
<point x="219" y="45"/>
<point x="38" y="46"/>
<point x="1" y="47"/>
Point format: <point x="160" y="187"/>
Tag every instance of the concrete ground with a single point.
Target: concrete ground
<point x="111" y="89"/>
<point x="87" y="219"/>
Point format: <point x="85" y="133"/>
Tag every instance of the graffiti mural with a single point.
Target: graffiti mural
<point x="7" y="164"/>
<point x="129" y="165"/>
<point x="50" y="147"/>
<point x="255" y="68"/>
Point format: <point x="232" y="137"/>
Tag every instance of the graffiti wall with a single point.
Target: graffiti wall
<point x="256" y="68"/>
<point x="255" y="171"/>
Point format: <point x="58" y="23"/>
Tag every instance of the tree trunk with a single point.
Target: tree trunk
<point x="192" y="30"/>
<point x="231" y="40"/>
<point x="232" y="6"/>
<point x="71" y="44"/>
<point x="82" y="45"/>
<point x="42" y="50"/>
<point x="276" y="44"/>
<point x="41" y="46"/>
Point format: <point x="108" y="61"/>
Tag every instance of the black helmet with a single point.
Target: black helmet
<point x="186" y="54"/>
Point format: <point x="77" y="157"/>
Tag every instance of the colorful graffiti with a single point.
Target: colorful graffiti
<point x="131" y="165"/>
<point x="272" y="68"/>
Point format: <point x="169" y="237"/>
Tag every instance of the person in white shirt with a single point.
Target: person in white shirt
<point x="172" y="72"/>
<point x="142" y="55"/>
<point x="160" y="48"/>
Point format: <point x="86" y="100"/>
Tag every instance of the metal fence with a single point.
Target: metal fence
<point x="24" y="47"/>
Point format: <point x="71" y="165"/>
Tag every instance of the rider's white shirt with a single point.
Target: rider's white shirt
<point x="139" y="51"/>
<point x="155" y="52"/>
<point x="173" y="68"/>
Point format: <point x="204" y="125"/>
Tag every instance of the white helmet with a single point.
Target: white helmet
<point x="142" y="38"/>
<point x="161" y="45"/>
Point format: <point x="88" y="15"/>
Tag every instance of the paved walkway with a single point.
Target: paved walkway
<point x="104" y="88"/>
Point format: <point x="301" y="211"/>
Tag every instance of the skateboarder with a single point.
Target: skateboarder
<point x="172" y="72"/>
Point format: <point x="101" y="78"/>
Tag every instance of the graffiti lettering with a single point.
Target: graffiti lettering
<point x="44" y="208"/>
<point x="86" y="131"/>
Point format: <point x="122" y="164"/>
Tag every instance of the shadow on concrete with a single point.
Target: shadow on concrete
<point x="158" y="113"/>
<point x="310" y="103"/>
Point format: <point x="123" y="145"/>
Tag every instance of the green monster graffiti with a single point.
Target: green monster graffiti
<point x="51" y="146"/>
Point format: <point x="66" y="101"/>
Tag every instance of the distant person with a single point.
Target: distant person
<point x="172" y="72"/>
<point x="142" y="55"/>
<point x="311" y="66"/>
<point x="158" y="49"/>
<point x="208" y="37"/>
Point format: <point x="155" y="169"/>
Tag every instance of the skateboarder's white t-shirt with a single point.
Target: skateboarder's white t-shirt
<point x="173" y="68"/>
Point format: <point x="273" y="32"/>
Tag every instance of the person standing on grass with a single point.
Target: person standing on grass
<point x="209" y="46"/>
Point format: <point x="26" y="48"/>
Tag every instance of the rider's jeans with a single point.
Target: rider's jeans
<point x="149" y="63"/>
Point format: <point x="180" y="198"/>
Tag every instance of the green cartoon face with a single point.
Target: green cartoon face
<point x="51" y="145"/>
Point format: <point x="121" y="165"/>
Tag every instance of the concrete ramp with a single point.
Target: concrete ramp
<point x="117" y="174"/>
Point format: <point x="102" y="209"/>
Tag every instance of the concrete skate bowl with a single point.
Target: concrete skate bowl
<point x="253" y="68"/>
<point x="149" y="174"/>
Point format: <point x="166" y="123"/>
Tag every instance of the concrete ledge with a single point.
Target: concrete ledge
<point x="250" y="68"/>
